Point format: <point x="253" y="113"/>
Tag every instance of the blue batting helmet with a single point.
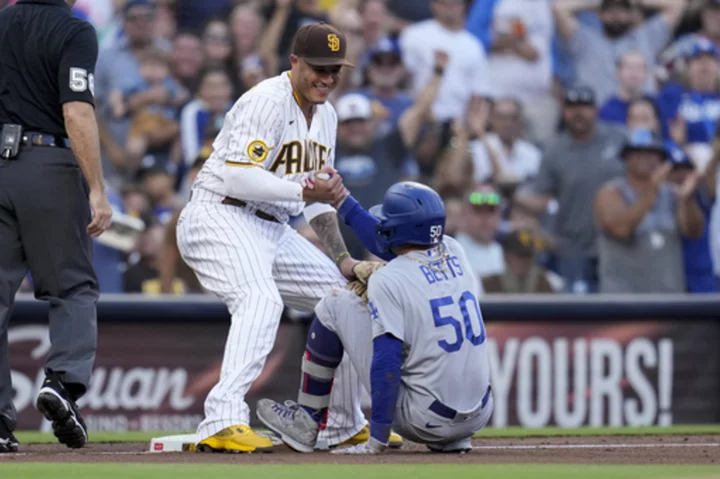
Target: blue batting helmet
<point x="411" y="213"/>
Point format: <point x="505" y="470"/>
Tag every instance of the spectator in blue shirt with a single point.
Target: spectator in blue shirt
<point x="694" y="109"/>
<point x="213" y="100"/>
<point x="699" y="274"/>
<point x="632" y="75"/>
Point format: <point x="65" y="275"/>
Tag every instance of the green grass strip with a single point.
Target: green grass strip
<point x="331" y="471"/>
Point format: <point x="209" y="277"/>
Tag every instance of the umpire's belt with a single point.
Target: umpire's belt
<point x="35" y="138"/>
<point x="260" y="214"/>
<point x="449" y="413"/>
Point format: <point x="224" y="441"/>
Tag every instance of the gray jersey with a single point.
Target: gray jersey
<point x="428" y="299"/>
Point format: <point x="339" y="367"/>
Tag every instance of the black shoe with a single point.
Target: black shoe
<point x="56" y="404"/>
<point x="8" y="441"/>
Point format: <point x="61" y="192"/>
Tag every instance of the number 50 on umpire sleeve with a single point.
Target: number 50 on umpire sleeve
<point x="443" y="309"/>
<point x="76" y="77"/>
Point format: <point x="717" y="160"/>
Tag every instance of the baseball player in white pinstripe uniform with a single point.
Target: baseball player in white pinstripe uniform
<point x="234" y="233"/>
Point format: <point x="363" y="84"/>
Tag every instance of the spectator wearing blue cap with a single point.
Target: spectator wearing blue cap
<point x="694" y="110"/>
<point x="642" y="220"/>
<point x="384" y="74"/>
<point x="699" y="274"/>
<point x="673" y="58"/>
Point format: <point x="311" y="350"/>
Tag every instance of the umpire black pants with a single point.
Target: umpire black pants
<point x="44" y="213"/>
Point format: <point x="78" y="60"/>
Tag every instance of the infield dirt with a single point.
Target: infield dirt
<point x="655" y="449"/>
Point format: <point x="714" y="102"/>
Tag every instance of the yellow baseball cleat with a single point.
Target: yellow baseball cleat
<point x="235" y="439"/>
<point x="395" y="441"/>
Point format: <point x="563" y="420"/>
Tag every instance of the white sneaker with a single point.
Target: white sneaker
<point x="458" y="447"/>
<point x="291" y="422"/>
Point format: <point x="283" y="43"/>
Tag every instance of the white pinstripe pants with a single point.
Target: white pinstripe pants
<point x="255" y="266"/>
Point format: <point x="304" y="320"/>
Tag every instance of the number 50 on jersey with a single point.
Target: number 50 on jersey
<point x="444" y="311"/>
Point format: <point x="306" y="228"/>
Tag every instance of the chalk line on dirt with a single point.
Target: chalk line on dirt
<point x="592" y="446"/>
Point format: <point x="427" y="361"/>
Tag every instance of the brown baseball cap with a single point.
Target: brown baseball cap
<point x="522" y="243"/>
<point x="321" y="44"/>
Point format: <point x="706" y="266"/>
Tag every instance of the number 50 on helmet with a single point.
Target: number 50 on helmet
<point x="411" y="214"/>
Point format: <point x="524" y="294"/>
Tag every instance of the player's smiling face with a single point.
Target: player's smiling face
<point x="315" y="83"/>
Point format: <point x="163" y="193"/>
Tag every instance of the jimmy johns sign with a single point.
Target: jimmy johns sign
<point x="149" y="376"/>
<point x="156" y="375"/>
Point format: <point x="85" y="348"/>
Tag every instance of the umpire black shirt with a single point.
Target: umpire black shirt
<point x="47" y="58"/>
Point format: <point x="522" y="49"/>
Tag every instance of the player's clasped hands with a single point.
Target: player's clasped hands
<point x="320" y="189"/>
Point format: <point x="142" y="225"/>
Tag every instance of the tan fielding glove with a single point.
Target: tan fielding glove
<point x="363" y="270"/>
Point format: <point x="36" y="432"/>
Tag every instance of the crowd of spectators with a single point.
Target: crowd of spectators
<point x="575" y="142"/>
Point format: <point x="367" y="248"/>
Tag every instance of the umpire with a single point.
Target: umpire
<point x="52" y="200"/>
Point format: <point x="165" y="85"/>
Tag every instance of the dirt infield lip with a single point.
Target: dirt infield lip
<point x="670" y="449"/>
<point x="35" y="437"/>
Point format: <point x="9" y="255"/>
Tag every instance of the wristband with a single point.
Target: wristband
<point x="439" y="71"/>
<point x="340" y="257"/>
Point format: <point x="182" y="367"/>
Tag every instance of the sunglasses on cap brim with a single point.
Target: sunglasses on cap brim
<point x="579" y="98"/>
<point x="484" y="199"/>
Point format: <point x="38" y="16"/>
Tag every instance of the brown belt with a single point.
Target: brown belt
<point x="260" y="214"/>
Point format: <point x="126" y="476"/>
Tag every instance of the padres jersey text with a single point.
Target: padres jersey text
<point x="266" y="129"/>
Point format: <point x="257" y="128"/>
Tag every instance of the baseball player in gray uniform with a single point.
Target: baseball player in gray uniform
<point x="418" y="343"/>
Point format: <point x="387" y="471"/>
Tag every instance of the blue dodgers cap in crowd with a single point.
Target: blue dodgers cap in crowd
<point x="138" y="3"/>
<point x="677" y="156"/>
<point x="385" y="45"/>
<point x="703" y="46"/>
<point x="644" y="140"/>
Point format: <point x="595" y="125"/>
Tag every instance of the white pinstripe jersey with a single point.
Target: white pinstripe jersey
<point x="266" y="128"/>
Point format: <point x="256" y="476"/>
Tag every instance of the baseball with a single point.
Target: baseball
<point x="309" y="182"/>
